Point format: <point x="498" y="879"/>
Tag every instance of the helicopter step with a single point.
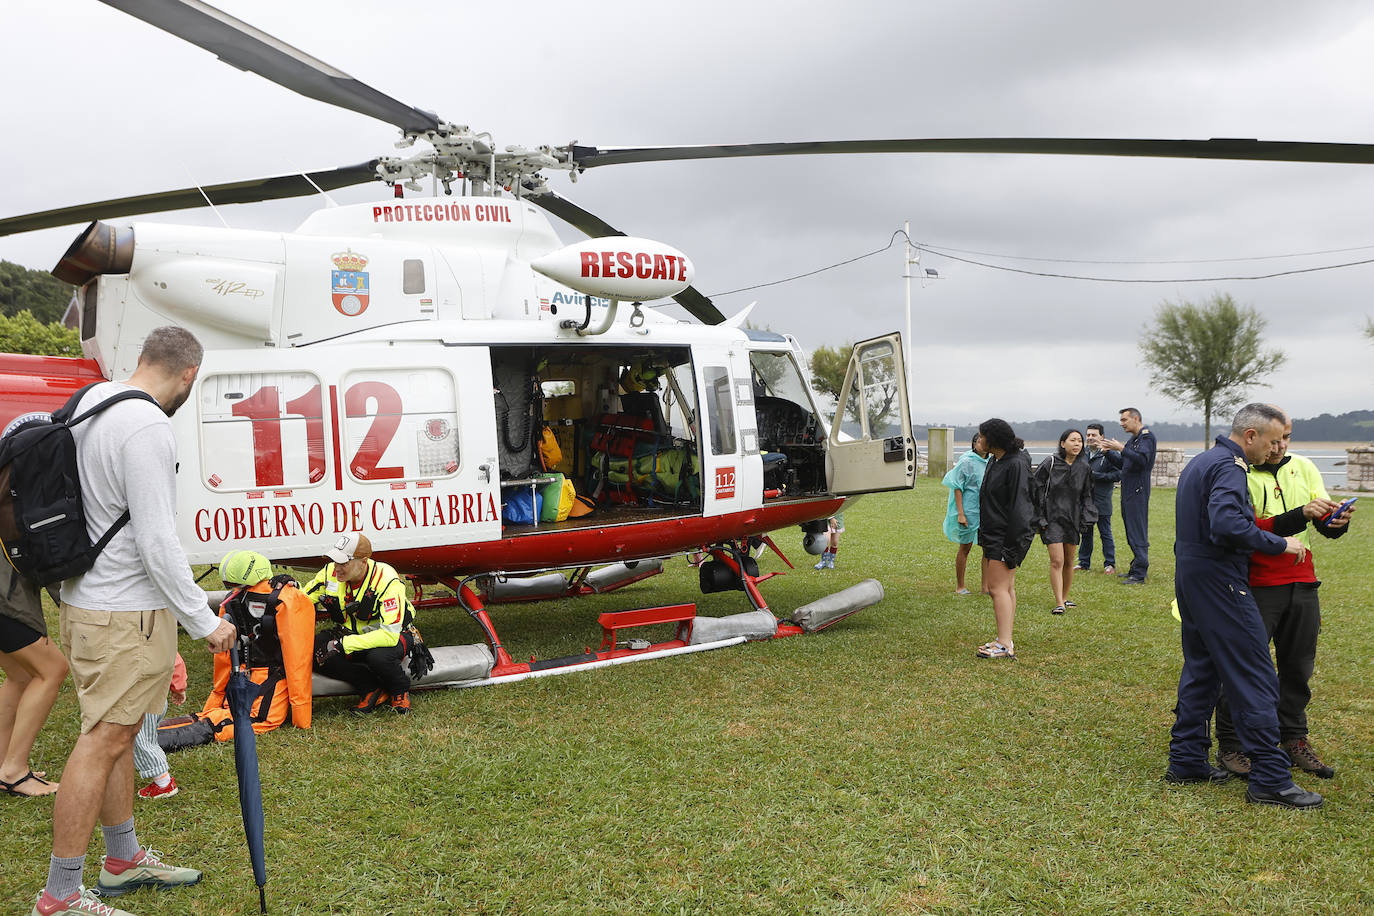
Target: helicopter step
<point x="680" y="614"/>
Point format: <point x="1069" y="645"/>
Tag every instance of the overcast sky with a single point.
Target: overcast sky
<point x="100" y="105"/>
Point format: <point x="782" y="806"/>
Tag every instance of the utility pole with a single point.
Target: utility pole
<point x="910" y="256"/>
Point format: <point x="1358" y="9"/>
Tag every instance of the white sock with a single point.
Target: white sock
<point x="163" y="781"/>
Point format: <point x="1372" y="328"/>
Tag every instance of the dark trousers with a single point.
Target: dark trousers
<point x="370" y="669"/>
<point x="1292" y="617"/>
<point x="1104" y="527"/>
<point x="1224" y="645"/>
<point x="1135" y="512"/>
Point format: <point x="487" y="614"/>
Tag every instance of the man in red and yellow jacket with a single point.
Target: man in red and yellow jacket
<point x="372" y="614"/>
<point x="1287" y="493"/>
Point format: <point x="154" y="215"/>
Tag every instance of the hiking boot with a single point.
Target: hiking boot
<point x="400" y="703"/>
<point x="1291" y="797"/>
<point x="84" y="901"/>
<point x="369" y="702"/>
<point x="1306" y="759"/>
<point x="153" y="790"/>
<point x="146" y="870"/>
<point x="1234" y="762"/>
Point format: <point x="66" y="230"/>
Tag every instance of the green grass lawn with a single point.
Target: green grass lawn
<point x="878" y="767"/>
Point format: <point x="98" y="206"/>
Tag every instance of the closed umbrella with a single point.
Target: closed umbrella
<point x="241" y="693"/>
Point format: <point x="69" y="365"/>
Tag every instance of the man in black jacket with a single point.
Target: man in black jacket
<point x="1105" y="476"/>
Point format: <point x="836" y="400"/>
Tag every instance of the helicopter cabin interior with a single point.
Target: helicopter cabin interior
<point x="631" y="428"/>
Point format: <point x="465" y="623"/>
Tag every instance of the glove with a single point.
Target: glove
<point x="326" y="650"/>
<point x="330" y="605"/>
<point x="283" y="579"/>
<point x="421" y="659"/>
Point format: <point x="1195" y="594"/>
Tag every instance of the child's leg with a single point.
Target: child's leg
<point x="149" y="759"/>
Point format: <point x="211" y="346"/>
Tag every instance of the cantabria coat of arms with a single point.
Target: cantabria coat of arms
<point x="350" y="283"/>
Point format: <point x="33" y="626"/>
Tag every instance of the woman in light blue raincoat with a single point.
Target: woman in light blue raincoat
<point x="961" y="517"/>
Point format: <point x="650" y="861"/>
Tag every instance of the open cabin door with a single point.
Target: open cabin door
<point x="870" y="446"/>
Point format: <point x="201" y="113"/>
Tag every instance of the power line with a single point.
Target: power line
<point x="1038" y="273"/>
<point x="938" y="249"/>
<point x="942" y="252"/>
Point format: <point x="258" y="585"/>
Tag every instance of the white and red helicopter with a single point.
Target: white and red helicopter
<point x="390" y="367"/>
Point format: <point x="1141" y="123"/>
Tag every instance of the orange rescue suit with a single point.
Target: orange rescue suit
<point x="281" y="690"/>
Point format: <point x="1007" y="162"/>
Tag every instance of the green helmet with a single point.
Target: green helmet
<point x="244" y="567"/>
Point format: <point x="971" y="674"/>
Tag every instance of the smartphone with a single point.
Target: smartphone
<point x="1339" y="510"/>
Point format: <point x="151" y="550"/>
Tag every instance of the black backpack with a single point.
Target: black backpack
<point x="42" y="522"/>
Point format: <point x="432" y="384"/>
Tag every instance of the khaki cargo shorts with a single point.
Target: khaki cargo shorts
<point x="121" y="662"/>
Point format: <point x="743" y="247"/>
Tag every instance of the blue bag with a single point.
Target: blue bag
<point x="522" y="507"/>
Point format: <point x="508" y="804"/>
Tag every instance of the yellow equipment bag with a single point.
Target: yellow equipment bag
<point x="566" y="499"/>
<point x="550" y="453"/>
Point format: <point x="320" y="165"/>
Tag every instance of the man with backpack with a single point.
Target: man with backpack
<point x="118" y="622"/>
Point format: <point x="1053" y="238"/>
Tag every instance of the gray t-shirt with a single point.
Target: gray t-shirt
<point x="127" y="460"/>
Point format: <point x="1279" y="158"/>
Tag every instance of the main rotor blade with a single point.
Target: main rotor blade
<point x="1220" y="148"/>
<point x="696" y="303"/>
<point x="240" y="45"/>
<point x="234" y="192"/>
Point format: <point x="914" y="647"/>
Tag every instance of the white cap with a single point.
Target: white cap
<point x="351" y="545"/>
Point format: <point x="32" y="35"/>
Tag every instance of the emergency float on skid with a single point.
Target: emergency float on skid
<point x="447" y="375"/>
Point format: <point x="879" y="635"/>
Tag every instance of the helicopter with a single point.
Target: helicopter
<point x="397" y="366"/>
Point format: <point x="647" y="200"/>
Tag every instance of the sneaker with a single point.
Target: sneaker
<point x="1079" y="567"/>
<point x="1234" y="762"/>
<point x="84" y="901"/>
<point x="1210" y="775"/>
<point x="1132" y="580"/>
<point x="1291" y="797"/>
<point x="400" y="703"/>
<point x="153" y="790"/>
<point x="146" y="870"/>
<point x="1109" y="570"/>
<point x="1301" y="755"/>
<point x="369" y="702"/>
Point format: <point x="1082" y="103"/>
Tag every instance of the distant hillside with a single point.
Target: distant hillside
<point x="1355" y="426"/>
<point x="37" y="291"/>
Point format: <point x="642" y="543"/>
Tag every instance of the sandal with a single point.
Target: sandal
<point x="12" y="788"/>
<point x="961" y="592"/>
<point x="994" y="649"/>
<point x="1058" y="610"/>
<point x="1069" y="604"/>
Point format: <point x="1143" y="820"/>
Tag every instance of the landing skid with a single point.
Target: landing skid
<point x="722" y="567"/>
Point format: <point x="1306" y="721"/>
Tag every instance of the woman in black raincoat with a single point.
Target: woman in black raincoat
<point x="1062" y="489"/>
<point x="1005" y="530"/>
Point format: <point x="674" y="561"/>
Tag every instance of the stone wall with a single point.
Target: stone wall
<point x="1168" y="467"/>
<point x="1359" y="468"/>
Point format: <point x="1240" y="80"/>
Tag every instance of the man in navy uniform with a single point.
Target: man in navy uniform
<point x="1136" y="461"/>
<point x="1224" y="640"/>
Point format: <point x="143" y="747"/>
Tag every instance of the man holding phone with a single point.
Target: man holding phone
<point x="1287" y="493"/>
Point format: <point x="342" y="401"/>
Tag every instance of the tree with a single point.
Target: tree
<point x="881" y="388"/>
<point x="36" y="291"/>
<point x="1369" y="328"/>
<point x="1207" y="356"/>
<point x="828" y="365"/>
<point x="25" y="334"/>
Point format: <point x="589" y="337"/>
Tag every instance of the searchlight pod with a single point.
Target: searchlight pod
<point x="617" y="268"/>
